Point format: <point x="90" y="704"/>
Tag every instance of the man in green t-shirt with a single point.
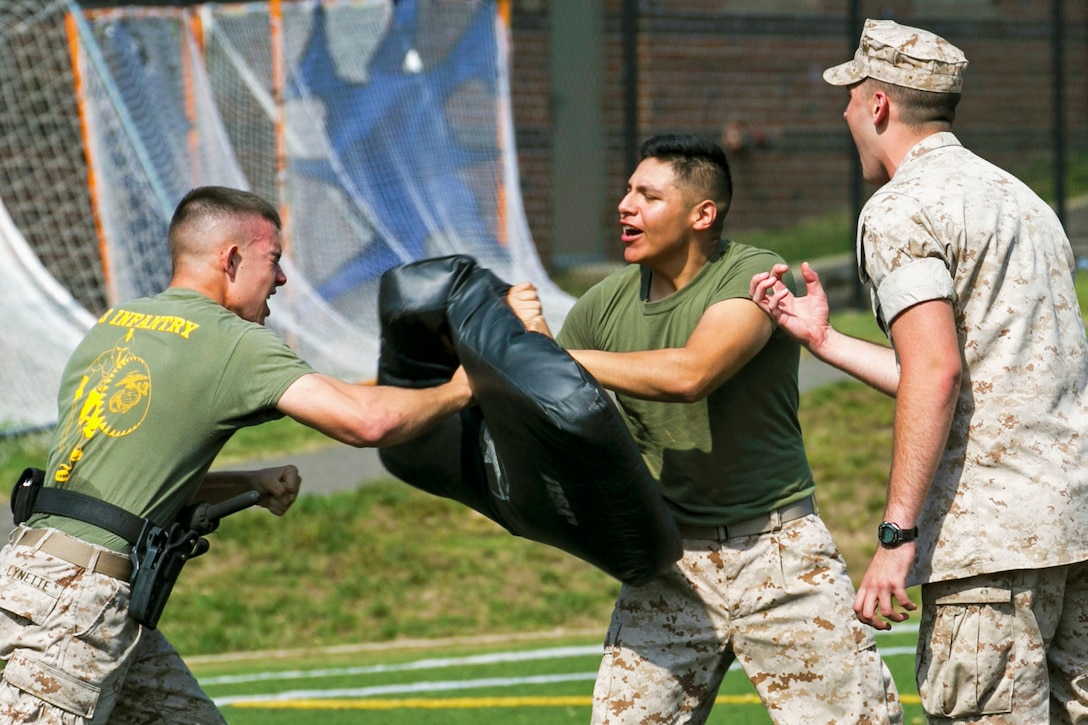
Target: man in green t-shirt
<point x="708" y="388"/>
<point x="148" y="399"/>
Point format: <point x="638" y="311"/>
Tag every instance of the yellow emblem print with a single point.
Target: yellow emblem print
<point x="133" y="388"/>
<point x="113" y="398"/>
<point x="117" y="401"/>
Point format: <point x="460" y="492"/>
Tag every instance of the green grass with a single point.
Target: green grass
<point x="270" y="440"/>
<point x="482" y="682"/>
<point x="381" y="562"/>
<point x="386" y="561"/>
<point x="20" y="452"/>
<point x="1039" y="175"/>
<point x="825" y="236"/>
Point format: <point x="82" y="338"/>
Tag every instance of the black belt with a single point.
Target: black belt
<point x="763" y="524"/>
<point x="62" y="502"/>
<point x="30" y="496"/>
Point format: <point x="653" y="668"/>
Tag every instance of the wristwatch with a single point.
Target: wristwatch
<point x="891" y="535"/>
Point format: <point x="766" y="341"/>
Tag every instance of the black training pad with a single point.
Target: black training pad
<point x="545" y="453"/>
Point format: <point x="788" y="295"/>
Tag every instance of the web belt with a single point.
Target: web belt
<point x="73" y="505"/>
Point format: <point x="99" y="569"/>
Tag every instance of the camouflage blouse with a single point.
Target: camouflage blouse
<point x="1011" y="491"/>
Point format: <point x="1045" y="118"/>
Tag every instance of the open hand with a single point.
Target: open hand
<point x="803" y="318"/>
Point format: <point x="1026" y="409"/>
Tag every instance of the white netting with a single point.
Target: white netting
<point x="382" y="129"/>
<point x="40" y="324"/>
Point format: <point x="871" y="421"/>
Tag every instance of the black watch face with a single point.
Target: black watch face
<point x="887" y="534"/>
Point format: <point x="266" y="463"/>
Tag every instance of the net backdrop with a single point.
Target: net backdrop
<point x="381" y="129"/>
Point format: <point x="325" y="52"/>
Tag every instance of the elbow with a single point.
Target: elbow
<point x="954" y="377"/>
<point x="689" y="390"/>
<point x="943" y="381"/>
<point x="373" y="431"/>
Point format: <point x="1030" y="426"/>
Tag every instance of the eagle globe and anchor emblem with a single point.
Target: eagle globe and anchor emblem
<point x="116" y="394"/>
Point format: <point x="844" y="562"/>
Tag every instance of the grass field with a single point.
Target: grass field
<point x="396" y="574"/>
<point x="540" y="679"/>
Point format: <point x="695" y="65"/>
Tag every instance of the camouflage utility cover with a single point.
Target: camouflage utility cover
<point x="903" y="56"/>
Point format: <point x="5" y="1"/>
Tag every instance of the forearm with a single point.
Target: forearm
<point x="278" y="486"/>
<point x="662" y="375"/>
<point x="729" y="334"/>
<point x="923" y="417"/>
<point x="371" y="415"/>
<point x="218" y="486"/>
<point x="925" y="403"/>
<point x="872" y="364"/>
<point x="394" y="415"/>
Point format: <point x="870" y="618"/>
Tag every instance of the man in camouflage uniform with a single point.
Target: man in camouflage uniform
<point x="971" y="277"/>
<point x="708" y="388"/>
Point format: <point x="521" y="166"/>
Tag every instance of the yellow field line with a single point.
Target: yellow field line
<point x="449" y="703"/>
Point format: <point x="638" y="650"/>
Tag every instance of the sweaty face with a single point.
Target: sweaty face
<point x="257" y="271"/>
<point x="654" y="216"/>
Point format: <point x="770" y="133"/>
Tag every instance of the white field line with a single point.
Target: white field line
<point x="411" y="687"/>
<point x="426" y="664"/>
<point x="439" y="685"/>
<point x="484" y="639"/>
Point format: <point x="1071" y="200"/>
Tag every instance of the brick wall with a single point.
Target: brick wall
<point x="703" y="70"/>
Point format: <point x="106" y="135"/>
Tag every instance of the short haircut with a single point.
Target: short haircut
<point x="917" y="108"/>
<point x="699" y="164"/>
<point x="206" y="204"/>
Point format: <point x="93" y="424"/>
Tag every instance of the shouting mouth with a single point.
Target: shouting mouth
<point x="629" y="233"/>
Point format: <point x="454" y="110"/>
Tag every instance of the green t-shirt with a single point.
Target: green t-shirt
<point x="734" y="455"/>
<point x="151" y="395"/>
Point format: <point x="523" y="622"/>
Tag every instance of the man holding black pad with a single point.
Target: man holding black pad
<point x="147" y="400"/>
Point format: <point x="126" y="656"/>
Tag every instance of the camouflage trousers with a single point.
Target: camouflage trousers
<point x="1010" y="647"/>
<point x="778" y="603"/>
<point x="73" y="655"/>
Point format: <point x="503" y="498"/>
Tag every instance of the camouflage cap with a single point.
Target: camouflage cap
<point x="903" y="56"/>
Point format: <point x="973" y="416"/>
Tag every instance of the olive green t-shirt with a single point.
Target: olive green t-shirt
<point x="150" y="396"/>
<point x="734" y="455"/>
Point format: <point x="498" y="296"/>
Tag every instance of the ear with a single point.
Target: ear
<point x="230" y="259"/>
<point x="704" y="214"/>
<point x="879" y="105"/>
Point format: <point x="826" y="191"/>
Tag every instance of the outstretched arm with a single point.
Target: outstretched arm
<point x="807" y="319"/>
<point x="372" y="415"/>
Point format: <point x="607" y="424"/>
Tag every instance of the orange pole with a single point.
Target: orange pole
<point x="196" y="27"/>
<point x="503" y="110"/>
<point x="92" y="186"/>
<point x="275" y="18"/>
<point x="189" y="29"/>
